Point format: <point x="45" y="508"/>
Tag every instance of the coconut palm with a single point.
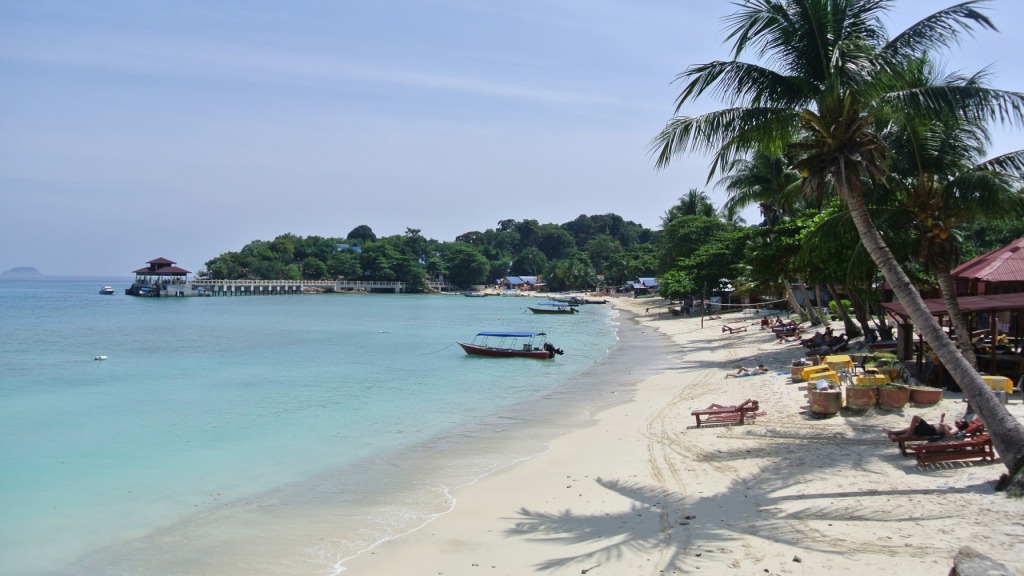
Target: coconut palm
<point x="769" y="182"/>
<point x="943" y="185"/>
<point x="693" y="203"/>
<point x="832" y="77"/>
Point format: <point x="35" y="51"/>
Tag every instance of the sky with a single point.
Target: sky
<point x="131" y="130"/>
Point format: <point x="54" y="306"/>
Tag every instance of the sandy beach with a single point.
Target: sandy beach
<point x="643" y="491"/>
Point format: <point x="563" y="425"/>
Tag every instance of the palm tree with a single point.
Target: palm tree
<point x="837" y="76"/>
<point x="693" y="203"/>
<point x="943" y="184"/>
<point x="769" y="182"/>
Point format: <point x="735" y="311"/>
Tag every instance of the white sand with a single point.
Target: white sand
<point x="645" y="492"/>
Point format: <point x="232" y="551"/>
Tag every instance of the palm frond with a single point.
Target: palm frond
<point x="938" y="31"/>
<point x="1011" y="163"/>
<point x="742" y="83"/>
<point x="725" y="133"/>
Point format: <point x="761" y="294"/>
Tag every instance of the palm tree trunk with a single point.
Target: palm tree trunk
<point x="811" y="313"/>
<point x="1006" y="432"/>
<point x="791" y="296"/>
<point x="848" y="325"/>
<point x="861" y="311"/>
<point x="957" y="317"/>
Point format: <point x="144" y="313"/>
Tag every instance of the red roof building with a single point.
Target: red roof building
<point x="161" y="267"/>
<point x="998" y="272"/>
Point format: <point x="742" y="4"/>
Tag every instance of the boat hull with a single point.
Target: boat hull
<point x="474" y="350"/>
<point x="553" y="310"/>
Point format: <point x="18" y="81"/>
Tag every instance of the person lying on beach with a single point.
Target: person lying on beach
<point x="919" y="427"/>
<point x="742" y="371"/>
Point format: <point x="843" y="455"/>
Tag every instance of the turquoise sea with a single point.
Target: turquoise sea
<point x="265" y="435"/>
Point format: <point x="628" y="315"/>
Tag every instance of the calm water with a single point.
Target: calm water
<point x="249" y="435"/>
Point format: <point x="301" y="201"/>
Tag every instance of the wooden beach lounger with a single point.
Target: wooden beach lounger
<point x="718" y="414"/>
<point x="974" y="427"/>
<point x="975" y="448"/>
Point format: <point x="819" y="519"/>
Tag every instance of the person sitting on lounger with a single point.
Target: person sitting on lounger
<point x="742" y="371"/>
<point x="920" y="428"/>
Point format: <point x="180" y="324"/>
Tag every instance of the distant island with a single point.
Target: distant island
<point x="22" y="271"/>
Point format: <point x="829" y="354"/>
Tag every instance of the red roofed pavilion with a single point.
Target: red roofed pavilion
<point x="156" y="277"/>
<point x="998" y="272"/>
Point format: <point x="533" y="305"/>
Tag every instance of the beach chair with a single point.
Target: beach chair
<point x="974" y="428"/>
<point x="839" y="344"/>
<point x="978" y="447"/>
<point x="719" y="414"/>
<point x="732" y="330"/>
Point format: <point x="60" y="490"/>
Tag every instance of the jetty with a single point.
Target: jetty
<point x="163" y="278"/>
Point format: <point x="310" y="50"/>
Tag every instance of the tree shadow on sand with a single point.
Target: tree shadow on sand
<point x="774" y="506"/>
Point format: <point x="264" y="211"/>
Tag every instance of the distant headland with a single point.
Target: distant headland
<point x="22" y="271"/>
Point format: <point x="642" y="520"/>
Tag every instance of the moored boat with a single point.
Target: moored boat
<point x="553" y="308"/>
<point x="107" y="290"/>
<point x="511" y="345"/>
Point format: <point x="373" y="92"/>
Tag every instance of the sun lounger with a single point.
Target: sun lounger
<point x="974" y="428"/>
<point x="977" y="447"/>
<point x="732" y="330"/>
<point x="718" y="414"/>
<point x="839" y="344"/>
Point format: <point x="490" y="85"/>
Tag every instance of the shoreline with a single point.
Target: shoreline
<point x="642" y="491"/>
<point x="314" y="525"/>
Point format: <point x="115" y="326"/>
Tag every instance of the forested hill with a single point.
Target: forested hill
<point x="578" y="254"/>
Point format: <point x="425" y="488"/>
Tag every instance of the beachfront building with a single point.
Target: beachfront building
<point x="160" y="277"/>
<point x="990" y="293"/>
<point x="644" y="286"/>
<point x="518" y="283"/>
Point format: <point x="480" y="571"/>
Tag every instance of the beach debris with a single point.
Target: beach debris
<point x="585" y="570"/>
<point x="797" y="559"/>
<point x="970" y="562"/>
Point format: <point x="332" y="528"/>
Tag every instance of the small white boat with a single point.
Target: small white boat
<point x="107" y="290"/>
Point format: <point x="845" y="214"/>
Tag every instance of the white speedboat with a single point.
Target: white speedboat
<point x="107" y="290"/>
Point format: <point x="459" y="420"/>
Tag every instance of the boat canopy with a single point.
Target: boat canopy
<point x="512" y="334"/>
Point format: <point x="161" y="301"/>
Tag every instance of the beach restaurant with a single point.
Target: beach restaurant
<point x="991" y="298"/>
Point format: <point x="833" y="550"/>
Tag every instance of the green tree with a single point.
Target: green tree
<point x="531" y="262"/>
<point x="314" y="269"/>
<point x="362" y="233"/>
<point x="836" y="79"/>
<point x="683" y="236"/>
<point x="466" y="265"/>
<point x="555" y="242"/>
<point x="344" y="265"/>
<point x="677" y="285"/>
<point x="693" y="203"/>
